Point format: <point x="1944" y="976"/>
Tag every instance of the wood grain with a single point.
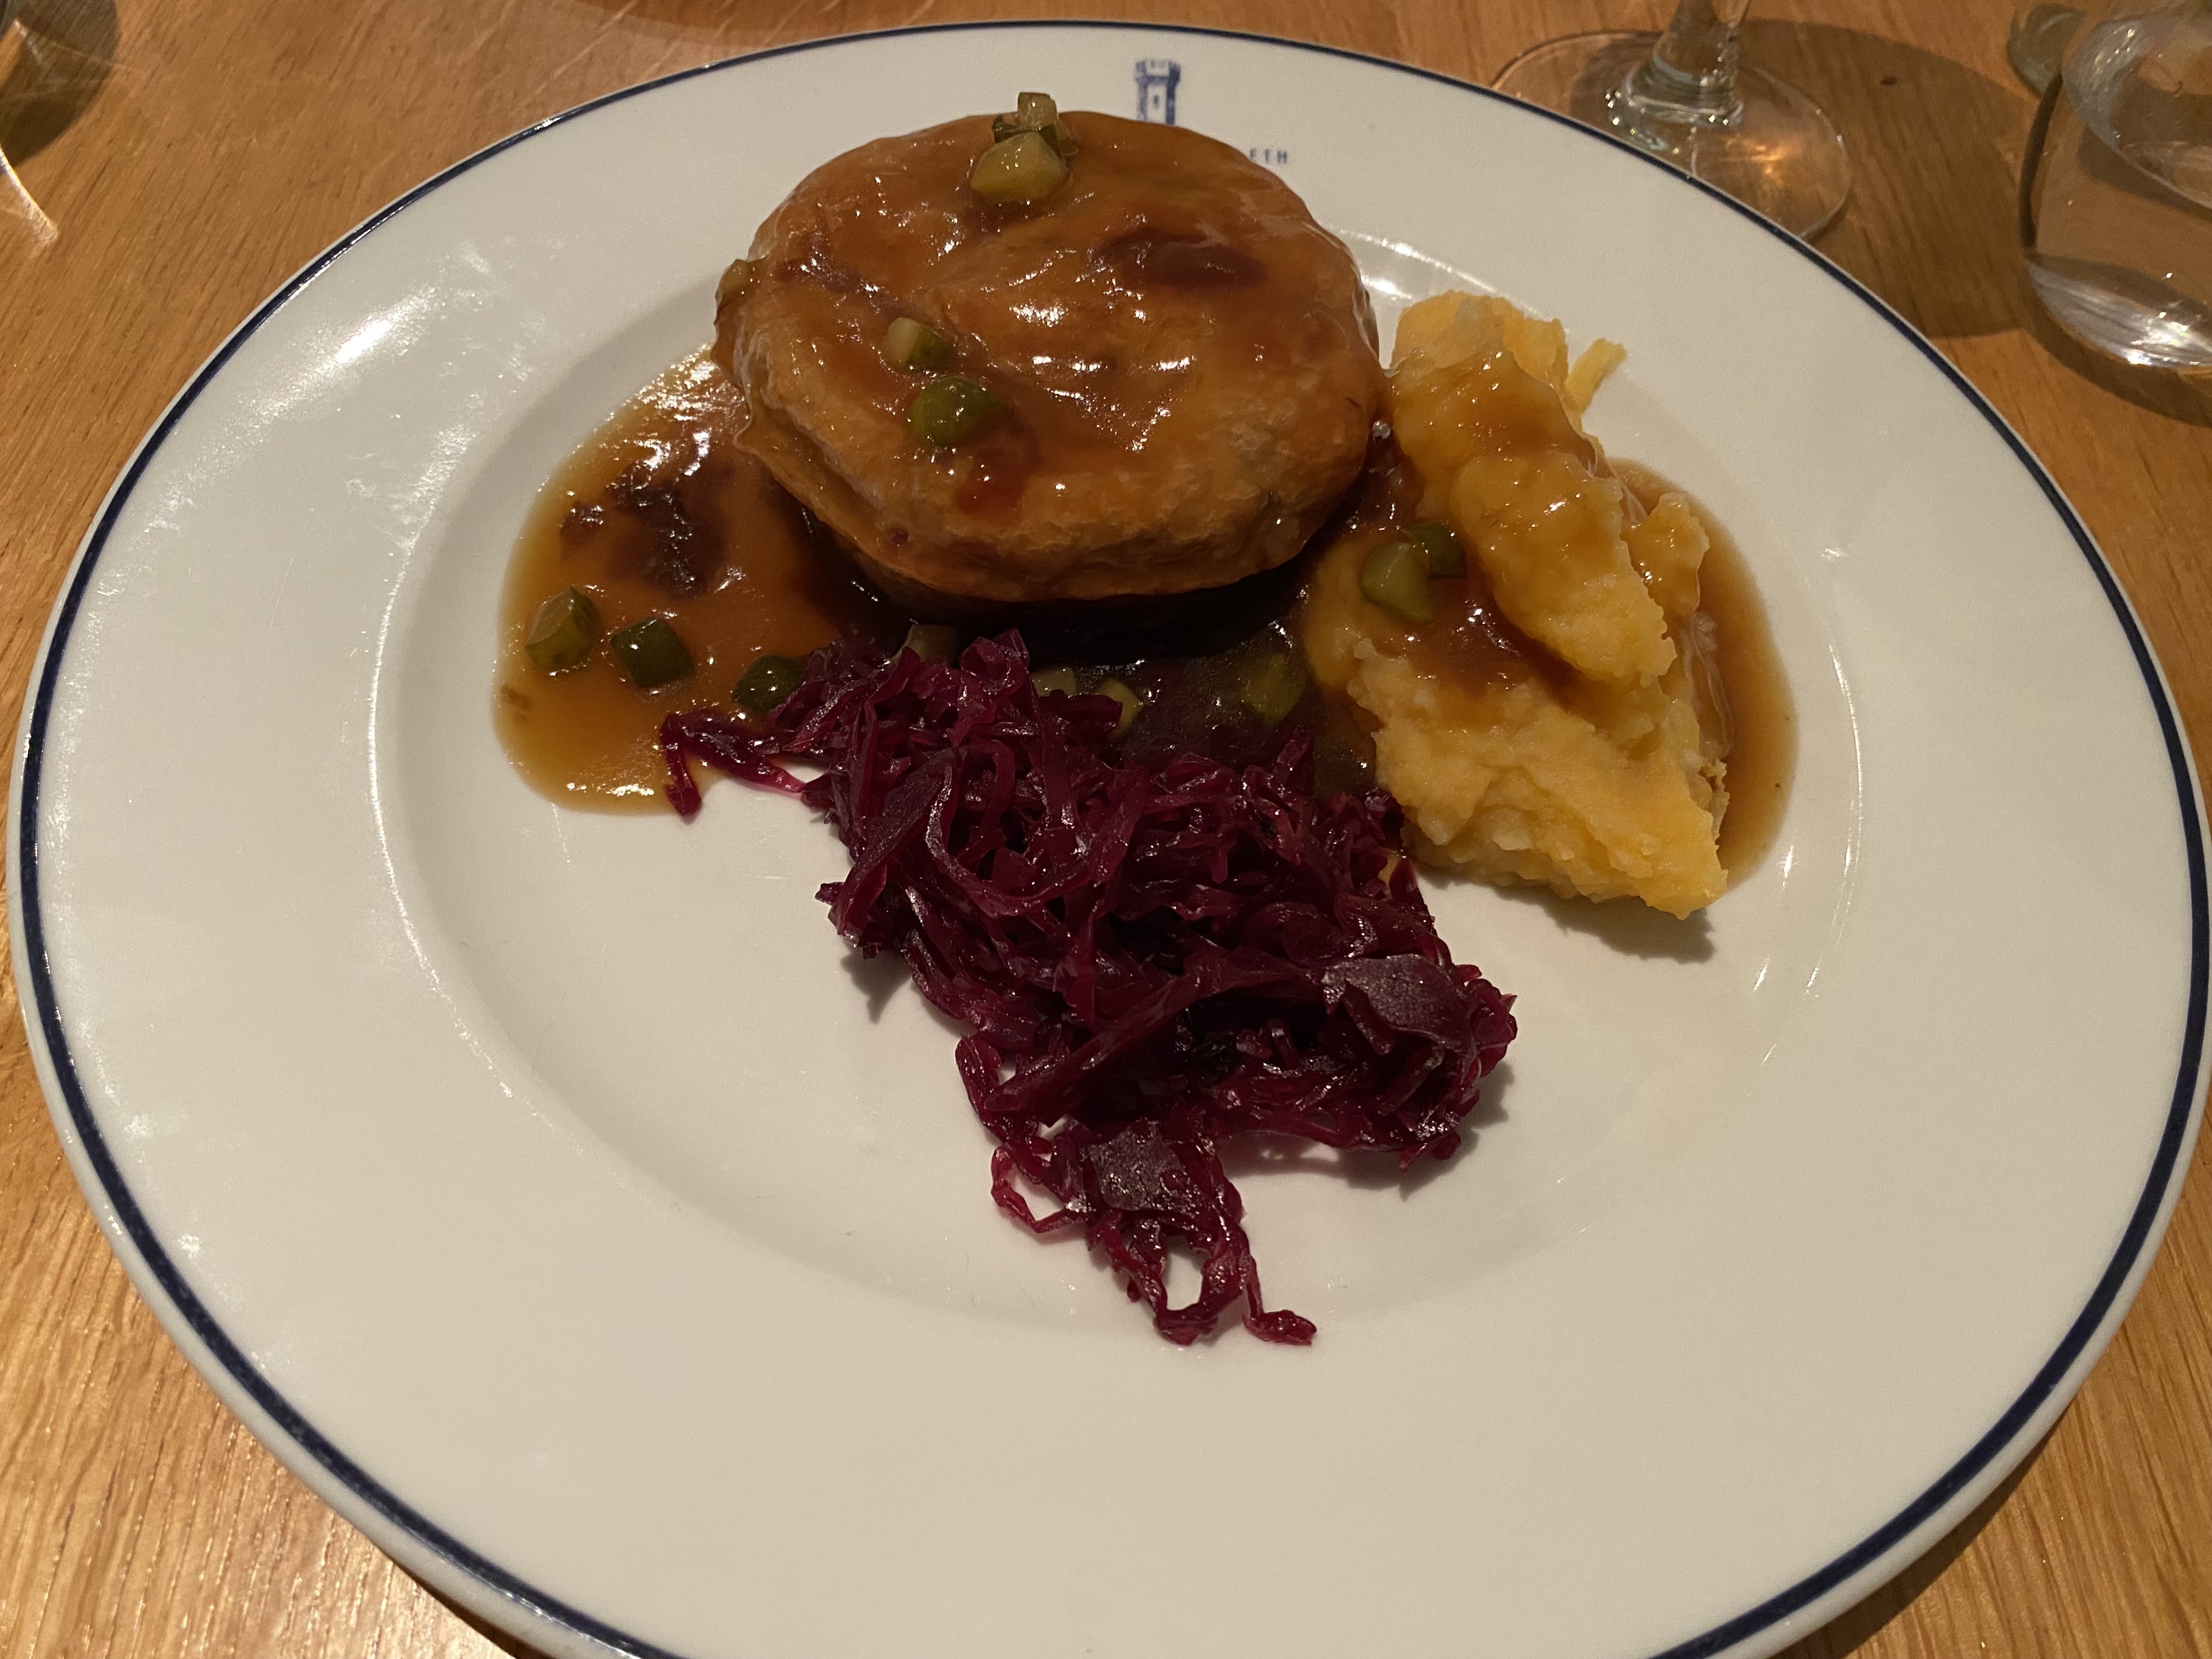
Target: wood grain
<point x="177" y="161"/>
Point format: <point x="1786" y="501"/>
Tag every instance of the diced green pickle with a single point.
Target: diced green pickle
<point x="1004" y="127"/>
<point x="1446" y="556"/>
<point x="769" y="681"/>
<point x="932" y="641"/>
<point x="652" y="651"/>
<point x="1054" y="679"/>
<point x="1023" y="168"/>
<point x="562" y="631"/>
<point x="1273" y="685"/>
<point x="910" y="345"/>
<point x="1130" y="701"/>
<point x="1396" y="577"/>
<point x="952" y="409"/>
<point x="1036" y="112"/>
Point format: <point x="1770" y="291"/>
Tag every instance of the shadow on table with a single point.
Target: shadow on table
<point x="1931" y="222"/>
<point x="498" y="1638"/>
<point x="64" y="53"/>
<point x="2159" y="391"/>
<point x="1851" y="1630"/>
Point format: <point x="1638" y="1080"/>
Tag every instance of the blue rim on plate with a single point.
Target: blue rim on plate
<point x="2005" y="1434"/>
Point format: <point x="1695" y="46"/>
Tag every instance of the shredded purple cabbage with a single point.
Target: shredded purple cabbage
<point x="1151" y="958"/>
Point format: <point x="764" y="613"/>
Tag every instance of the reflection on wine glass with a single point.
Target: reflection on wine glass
<point x="17" y="203"/>
<point x="1681" y="96"/>
<point x="55" y="57"/>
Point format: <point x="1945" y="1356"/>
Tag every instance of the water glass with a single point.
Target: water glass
<point x="2116" y="190"/>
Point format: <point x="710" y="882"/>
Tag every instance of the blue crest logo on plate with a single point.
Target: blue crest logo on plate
<point x="1157" y="78"/>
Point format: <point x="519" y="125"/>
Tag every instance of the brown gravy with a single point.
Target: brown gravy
<point x="1763" y="757"/>
<point x="1470" y="641"/>
<point x="1183" y="361"/>
<point x="661" y="512"/>
<point x="1095" y="304"/>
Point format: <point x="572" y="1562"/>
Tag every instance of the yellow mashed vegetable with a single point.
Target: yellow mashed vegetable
<point x="1558" y="722"/>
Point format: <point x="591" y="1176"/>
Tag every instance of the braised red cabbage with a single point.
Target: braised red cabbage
<point x="1151" y="958"/>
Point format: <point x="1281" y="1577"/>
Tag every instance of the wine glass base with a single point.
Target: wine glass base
<point x="1778" y="153"/>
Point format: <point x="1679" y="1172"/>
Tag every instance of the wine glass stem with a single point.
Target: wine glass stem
<point x="1690" y="76"/>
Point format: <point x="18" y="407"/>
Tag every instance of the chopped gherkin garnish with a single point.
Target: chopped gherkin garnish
<point x="1130" y="701"/>
<point x="1446" y="556"/>
<point x="1023" y="168"/>
<point x="1061" y="679"/>
<point x="1004" y="127"/>
<point x="952" y="409"/>
<point x="1038" y="113"/>
<point x="1272" y="685"/>
<point x="652" y="651"/>
<point x="769" y="681"/>
<point x="1035" y="111"/>
<point x="562" y="631"/>
<point x="1396" y="578"/>
<point x="932" y="641"/>
<point x="910" y="344"/>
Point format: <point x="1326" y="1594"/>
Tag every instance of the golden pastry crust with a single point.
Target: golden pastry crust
<point x="1188" y="359"/>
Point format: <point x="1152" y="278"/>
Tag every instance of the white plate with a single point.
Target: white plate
<point x="552" y="1196"/>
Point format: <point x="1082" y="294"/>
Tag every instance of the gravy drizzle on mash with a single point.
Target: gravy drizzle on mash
<point x="1563" y="720"/>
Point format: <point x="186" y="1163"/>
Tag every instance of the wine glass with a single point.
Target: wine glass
<point x="1681" y="96"/>
<point x="17" y="203"/>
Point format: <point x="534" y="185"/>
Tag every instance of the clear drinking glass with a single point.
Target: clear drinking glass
<point x="2036" y="43"/>
<point x="1681" y="95"/>
<point x="2116" y="190"/>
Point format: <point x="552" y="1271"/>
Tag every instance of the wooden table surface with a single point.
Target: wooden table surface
<point x="175" y="160"/>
